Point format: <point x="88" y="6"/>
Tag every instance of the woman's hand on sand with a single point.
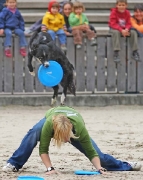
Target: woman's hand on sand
<point x="52" y="172"/>
<point x="103" y="171"/>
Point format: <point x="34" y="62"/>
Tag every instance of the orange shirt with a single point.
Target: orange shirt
<point x="137" y="25"/>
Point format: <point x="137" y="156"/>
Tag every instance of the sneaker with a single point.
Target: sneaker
<point x="27" y="31"/>
<point x="93" y="42"/>
<point x="9" y="168"/>
<point x="7" y="52"/>
<point x="135" y="56"/>
<point x="78" y="46"/>
<point x="23" y="52"/>
<point x="116" y="56"/>
<point x="136" y="166"/>
<point x="63" y="47"/>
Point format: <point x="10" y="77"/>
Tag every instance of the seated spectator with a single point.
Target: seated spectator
<point x="79" y="24"/>
<point x="67" y="9"/>
<point x="11" y="20"/>
<point x="120" y="24"/>
<point x="53" y="22"/>
<point x="137" y="19"/>
<point x="37" y="25"/>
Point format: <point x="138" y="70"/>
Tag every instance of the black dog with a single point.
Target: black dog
<point x="43" y="48"/>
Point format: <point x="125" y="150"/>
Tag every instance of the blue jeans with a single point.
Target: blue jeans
<point x="21" y="155"/>
<point x="138" y="32"/>
<point x="60" y="33"/>
<point x="19" y="32"/>
<point x="107" y="161"/>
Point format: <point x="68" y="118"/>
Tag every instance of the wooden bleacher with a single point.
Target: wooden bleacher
<point x="96" y="11"/>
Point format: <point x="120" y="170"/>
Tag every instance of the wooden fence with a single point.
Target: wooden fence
<point x="95" y="70"/>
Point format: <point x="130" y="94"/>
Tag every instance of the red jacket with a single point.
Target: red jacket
<point x="118" y="20"/>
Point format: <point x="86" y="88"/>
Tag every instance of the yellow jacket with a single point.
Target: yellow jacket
<point x="53" y="22"/>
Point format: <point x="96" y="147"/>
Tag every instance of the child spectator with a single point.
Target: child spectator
<point x="54" y="23"/>
<point x="137" y="19"/>
<point x="120" y="24"/>
<point x="67" y="9"/>
<point x="79" y="24"/>
<point x="11" y="20"/>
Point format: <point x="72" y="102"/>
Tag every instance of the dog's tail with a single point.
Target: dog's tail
<point x="71" y="86"/>
<point x="72" y="67"/>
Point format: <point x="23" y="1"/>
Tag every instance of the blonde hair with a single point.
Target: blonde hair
<point x="62" y="129"/>
<point x="78" y="4"/>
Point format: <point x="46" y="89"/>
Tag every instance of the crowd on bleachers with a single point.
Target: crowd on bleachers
<point x="67" y="18"/>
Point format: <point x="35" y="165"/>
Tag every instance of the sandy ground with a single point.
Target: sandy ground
<point x="117" y="130"/>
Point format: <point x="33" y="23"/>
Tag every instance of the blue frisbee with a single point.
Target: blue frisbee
<point x="29" y="178"/>
<point x="52" y="75"/>
<point x="81" y="172"/>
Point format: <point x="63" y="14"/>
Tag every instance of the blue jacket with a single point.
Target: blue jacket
<point x="11" y="20"/>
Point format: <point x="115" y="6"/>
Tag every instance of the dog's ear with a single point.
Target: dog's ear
<point x="51" y="44"/>
<point x="49" y="38"/>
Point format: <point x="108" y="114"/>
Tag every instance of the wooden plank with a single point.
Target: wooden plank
<point x="57" y="41"/>
<point x="71" y="50"/>
<point x="28" y="78"/>
<point x="38" y="86"/>
<point x="80" y="68"/>
<point x="101" y="64"/>
<point x="140" y="67"/>
<point x="111" y="76"/>
<point x="8" y="73"/>
<point x="71" y="53"/>
<point x="60" y="87"/>
<point x="1" y="64"/>
<point x="48" y="89"/>
<point x="121" y="68"/>
<point x="18" y="67"/>
<point x="132" y="72"/>
<point x="90" y="4"/>
<point x="90" y="67"/>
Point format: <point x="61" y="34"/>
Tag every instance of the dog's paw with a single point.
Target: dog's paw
<point x="32" y="73"/>
<point x="53" y="101"/>
<point x="63" y="97"/>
